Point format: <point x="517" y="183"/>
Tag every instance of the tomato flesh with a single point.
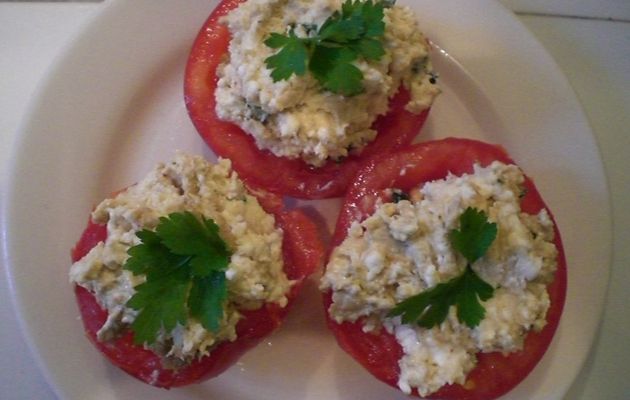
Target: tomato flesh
<point x="281" y="175"/>
<point x="494" y="374"/>
<point x="302" y="254"/>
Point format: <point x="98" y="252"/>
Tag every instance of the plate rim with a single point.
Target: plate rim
<point x="111" y="8"/>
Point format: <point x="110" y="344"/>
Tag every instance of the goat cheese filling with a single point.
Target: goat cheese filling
<point x="254" y="275"/>
<point x="296" y="118"/>
<point x="403" y="249"/>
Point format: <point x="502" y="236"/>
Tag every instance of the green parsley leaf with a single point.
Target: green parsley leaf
<point x="474" y="236"/>
<point x="184" y="262"/>
<point x="183" y="234"/>
<point x="206" y="300"/>
<point x="339" y="30"/>
<point x="347" y="35"/>
<point x="370" y="49"/>
<point x="288" y="61"/>
<point x="430" y="307"/>
<point x="371" y="17"/>
<point x="161" y="302"/>
<point x="469" y="309"/>
<point x="334" y="70"/>
<point x="150" y="257"/>
<point x="276" y="40"/>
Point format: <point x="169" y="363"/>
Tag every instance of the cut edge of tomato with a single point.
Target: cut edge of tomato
<point x="359" y="202"/>
<point x="302" y="255"/>
<point x="289" y="177"/>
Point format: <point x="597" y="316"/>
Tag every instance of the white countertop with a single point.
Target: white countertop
<point x="589" y="39"/>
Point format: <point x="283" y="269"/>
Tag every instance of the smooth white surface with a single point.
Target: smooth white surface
<point x="596" y="60"/>
<point x="610" y="65"/>
<point x="26" y="55"/>
<point x="617" y="9"/>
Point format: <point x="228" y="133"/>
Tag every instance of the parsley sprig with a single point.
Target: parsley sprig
<point x="184" y="261"/>
<point x="430" y="307"/>
<point x="347" y="35"/>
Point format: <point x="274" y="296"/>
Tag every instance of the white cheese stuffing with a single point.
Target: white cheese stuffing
<point x="295" y="118"/>
<point x="255" y="272"/>
<point x="403" y="249"/>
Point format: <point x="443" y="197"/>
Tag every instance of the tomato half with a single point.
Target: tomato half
<point x="302" y="254"/>
<point x="260" y="167"/>
<point x="495" y="374"/>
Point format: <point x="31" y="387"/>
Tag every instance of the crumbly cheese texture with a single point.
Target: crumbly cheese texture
<point x="403" y="249"/>
<point x="296" y="118"/>
<point x="189" y="183"/>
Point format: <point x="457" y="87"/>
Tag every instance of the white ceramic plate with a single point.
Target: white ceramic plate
<point x="113" y="107"/>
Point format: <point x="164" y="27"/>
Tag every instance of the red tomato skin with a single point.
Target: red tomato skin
<point x="276" y="174"/>
<point x="494" y="374"/>
<point x="303" y="253"/>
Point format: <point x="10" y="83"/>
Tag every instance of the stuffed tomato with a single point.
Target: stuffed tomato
<point x="180" y="274"/>
<point x="447" y="276"/>
<point x="279" y="87"/>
